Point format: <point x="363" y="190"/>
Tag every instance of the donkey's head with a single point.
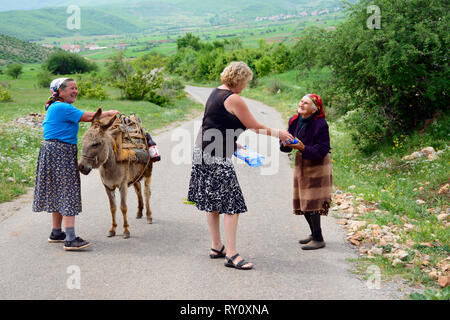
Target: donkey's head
<point x="95" y="147"/>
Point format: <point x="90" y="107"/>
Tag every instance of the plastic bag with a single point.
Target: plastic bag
<point x="252" y="158"/>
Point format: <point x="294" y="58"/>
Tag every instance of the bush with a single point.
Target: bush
<point x="368" y="129"/>
<point x="88" y="90"/>
<point x="4" y="95"/>
<point x="138" y="85"/>
<point x="263" y="66"/>
<point x="399" y="74"/>
<point x="160" y="100"/>
<point x="68" y="63"/>
<point x="169" y="91"/>
<point x="275" y="86"/>
<point x="311" y="49"/>
<point x="151" y="61"/>
<point x="44" y="78"/>
<point x="118" y="68"/>
<point x="14" y="70"/>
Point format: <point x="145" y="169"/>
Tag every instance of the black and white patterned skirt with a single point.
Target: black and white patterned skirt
<point x="57" y="187"/>
<point x="214" y="186"/>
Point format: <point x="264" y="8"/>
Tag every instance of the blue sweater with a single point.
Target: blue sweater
<point x="315" y="136"/>
<point x="61" y="122"/>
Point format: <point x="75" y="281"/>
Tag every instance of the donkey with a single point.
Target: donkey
<point x="98" y="152"/>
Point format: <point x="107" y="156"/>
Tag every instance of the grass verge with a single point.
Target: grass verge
<point x="19" y="144"/>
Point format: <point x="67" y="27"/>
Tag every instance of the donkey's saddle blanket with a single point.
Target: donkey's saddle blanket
<point x="130" y="143"/>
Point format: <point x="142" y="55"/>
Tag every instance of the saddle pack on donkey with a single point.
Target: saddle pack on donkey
<point x="131" y="141"/>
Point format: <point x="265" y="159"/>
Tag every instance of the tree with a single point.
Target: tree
<point x="44" y="78"/>
<point x="138" y="85"/>
<point x="263" y="66"/>
<point x="189" y="40"/>
<point x="118" y="67"/>
<point x="311" y="49"/>
<point x="62" y="62"/>
<point x="14" y="70"/>
<point x="397" y="75"/>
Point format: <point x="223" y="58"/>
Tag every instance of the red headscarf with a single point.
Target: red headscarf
<point x="317" y="100"/>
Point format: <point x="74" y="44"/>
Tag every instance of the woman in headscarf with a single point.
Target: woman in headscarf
<point x="57" y="188"/>
<point x="313" y="179"/>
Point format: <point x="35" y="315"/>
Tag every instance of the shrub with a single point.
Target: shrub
<point x="88" y="90"/>
<point x="151" y="61"/>
<point x="275" y="86"/>
<point x="160" y="100"/>
<point x="14" y="70"/>
<point x="62" y="62"/>
<point x="138" y="85"/>
<point x="368" y="129"/>
<point x="189" y="40"/>
<point x="263" y="66"/>
<point x="44" y="78"/>
<point x="281" y="57"/>
<point x="4" y="95"/>
<point x="397" y="74"/>
<point x="118" y="68"/>
<point x="311" y="49"/>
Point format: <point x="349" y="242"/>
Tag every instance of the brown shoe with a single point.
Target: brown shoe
<point x="313" y="245"/>
<point x="305" y="241"/>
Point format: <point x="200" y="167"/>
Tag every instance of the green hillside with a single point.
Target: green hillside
<point x="18" y="51"/>
<point x="53" y="23"/>
<point x="126" y="17"/>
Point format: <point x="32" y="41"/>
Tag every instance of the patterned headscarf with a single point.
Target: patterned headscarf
<point x="317" y="101"/>
<point x="54" y="87"/>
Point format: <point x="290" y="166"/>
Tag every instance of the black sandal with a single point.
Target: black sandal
<point x="219" y="254"/>
<point x="238" y="265"/>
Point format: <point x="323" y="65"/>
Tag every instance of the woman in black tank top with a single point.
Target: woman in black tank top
<point x="213" y="185"/>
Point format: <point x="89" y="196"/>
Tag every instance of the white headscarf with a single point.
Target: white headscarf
<point x="56" y="84"/>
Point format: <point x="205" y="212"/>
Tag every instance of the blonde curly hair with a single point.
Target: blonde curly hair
<point x="236" y="73"/>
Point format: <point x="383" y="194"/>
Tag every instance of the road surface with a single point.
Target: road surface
<point x="169" y="259"/>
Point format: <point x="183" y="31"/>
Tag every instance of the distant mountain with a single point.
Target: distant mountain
<point x="7" y="5"/>
<point x="15" y="50"/>
<point x="131" y="16"/>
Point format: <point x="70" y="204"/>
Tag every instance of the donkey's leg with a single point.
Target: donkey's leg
<point x="124" y="208"/>
<point x="112" y="206"/>
<point x="138" y="189"/>
<point x="148" y="193"/>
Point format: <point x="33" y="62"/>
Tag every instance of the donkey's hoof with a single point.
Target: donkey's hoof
<point x="126" y="235"/>
<point x="111" y="234"/>
<point x="139" y="215"/>
<point x="149" y="220"/>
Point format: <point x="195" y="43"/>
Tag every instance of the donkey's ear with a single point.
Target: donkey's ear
<point x="108" y="123"/>
<point x="97" y="115"/>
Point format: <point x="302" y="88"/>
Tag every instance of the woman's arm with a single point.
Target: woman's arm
<point x="88" y="116"/>
<point x="236" y="105"/>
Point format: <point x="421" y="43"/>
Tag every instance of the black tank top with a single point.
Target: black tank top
<point x="220" y="129"/>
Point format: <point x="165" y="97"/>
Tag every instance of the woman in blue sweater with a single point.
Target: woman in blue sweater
<point x="57" y="189"/>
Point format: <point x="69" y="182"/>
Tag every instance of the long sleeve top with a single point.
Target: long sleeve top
<point x="314" y="135"/>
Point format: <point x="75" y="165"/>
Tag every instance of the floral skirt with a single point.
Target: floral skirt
<point x="214" y="186"/>
<point x="57" y="187"/>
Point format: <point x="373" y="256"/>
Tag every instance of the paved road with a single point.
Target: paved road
<point x="169" y="259"/>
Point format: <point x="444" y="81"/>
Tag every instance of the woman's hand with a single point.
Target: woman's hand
<point x="299" y="146"/>
<point x="284" y="136"/>
<point x="109" y="113"/>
